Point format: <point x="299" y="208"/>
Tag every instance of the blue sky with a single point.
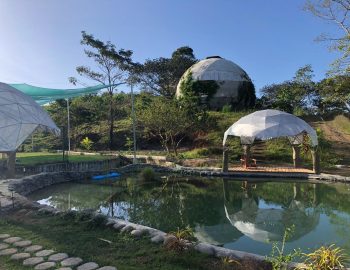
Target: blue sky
<point x="40" y="39"/>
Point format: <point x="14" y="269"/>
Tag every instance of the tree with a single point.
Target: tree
<point x="112" y="69"/>
<point x="161" y="75"/>
<point x="335" y="94"/>
<point x="337" y="12"/>
<point x="166" y="120"/>
<point x="298" y="94"/>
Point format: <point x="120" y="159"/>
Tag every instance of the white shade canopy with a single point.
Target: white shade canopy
<point x="20" y="116"/>
<point x="268" y="124"/>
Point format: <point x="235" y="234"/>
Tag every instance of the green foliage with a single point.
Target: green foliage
<point x="194" y="93"/>
<point x="86" y="143"/>
<point x="79" y="239"/>
<point x="161" y="75"/>
<point x="186" y="234"/>
<point x="226" y="108"/>
<point x="326" y="258"/>
<point x="335" y="94"/>
<point x="297" y="95"/>
<point x="168" y="121"/>
<point x="181" y="240"/>
<point x="129" y="143"/>
<point x="148" y="174"/>
<point x="327" y="156"/>
<point x="111" y="68"/>
<point x="277" y="257"/>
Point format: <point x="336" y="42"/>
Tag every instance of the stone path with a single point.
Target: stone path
<point x="38" y="258"/>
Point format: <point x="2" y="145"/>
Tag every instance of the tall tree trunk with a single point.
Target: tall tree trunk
<point x="111" y="121"/>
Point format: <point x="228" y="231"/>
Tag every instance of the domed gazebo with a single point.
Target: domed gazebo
<point x="234" y="85"/>
<point x="20" y="116"/>
<point x="269" y="124"/>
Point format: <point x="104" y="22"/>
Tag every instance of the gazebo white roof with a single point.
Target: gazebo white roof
<point x="268" y="124"/>
<point x="20" y="116"/>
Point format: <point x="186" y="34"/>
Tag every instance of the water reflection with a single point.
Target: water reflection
<point x="268" y="222"/>
<point x="238" y="215"/>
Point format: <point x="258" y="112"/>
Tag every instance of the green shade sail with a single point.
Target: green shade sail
<point x="45" y="95"/>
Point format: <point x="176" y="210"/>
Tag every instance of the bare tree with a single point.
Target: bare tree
<point x="337" y="12"/>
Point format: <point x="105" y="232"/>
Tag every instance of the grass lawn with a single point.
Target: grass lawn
<point x="79" y="238"/>
<point x="45" y="158"/>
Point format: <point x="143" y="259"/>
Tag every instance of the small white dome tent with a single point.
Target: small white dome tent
<point x="20" y="116"/>
<point x="269" y="124"/>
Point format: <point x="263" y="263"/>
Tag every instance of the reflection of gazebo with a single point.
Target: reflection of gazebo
<point x="269" y="124"/>
<point x="218" y="234"/>
<point x="269" y="224"/>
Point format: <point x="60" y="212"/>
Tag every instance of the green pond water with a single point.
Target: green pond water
<point x="247" y="216"/>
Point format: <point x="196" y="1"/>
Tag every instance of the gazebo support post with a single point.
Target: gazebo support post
<point x="11" y="164"/>
<point x="315" y="160"/>
<point x="225" y="159"/>
<point x="246" y="154"/>
<point x="296" y="156"/>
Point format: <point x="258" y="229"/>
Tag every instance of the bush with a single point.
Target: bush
<point x="226" y="108"/>
<point x="326" y="257"/>
<point x="86" y="143"/>
<point x="148" y="174"/>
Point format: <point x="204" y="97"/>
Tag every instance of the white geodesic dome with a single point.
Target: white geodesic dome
<point x="20" y="116"/>
<point x="268" y="124"/>
<point x="229" y="76"/>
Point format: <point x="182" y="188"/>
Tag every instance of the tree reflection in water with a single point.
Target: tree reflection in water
<point x="222" y="212"/>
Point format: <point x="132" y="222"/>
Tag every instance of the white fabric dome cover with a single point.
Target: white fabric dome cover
<point x="218" y="69"/>
<point x="269" y="124"/>
<point x="20" y="116"/>
<point x="229" y="76"/>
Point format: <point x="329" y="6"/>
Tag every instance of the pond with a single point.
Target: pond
<point x="242" y="215"/>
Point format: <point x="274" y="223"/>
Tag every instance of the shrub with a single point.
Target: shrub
<point x="97" y="220"/>
<point x="181" y="240"/>
<point x="325" y="258"/>
<point x="226" y="108"/>
<point x="86" y="143"/>
<point x="148" y="174"/>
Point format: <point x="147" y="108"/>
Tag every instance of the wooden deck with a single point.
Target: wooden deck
<point x="270" y="169"/>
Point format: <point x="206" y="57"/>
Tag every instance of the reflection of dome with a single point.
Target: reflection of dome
<point x="235" y="86"/>
<point x="269" y="224"/>
<point x="217" y="234"/>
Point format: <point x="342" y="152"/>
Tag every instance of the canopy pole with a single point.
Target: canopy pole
<point x="68" y="125"/>
<point x="225" y="159"/>
<point x="133" y="121"/>
<point x="296" y="156"/>
<point x="315" y="160"/>
<point x="11" y="164"/>
<point x="246" y="154"/>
